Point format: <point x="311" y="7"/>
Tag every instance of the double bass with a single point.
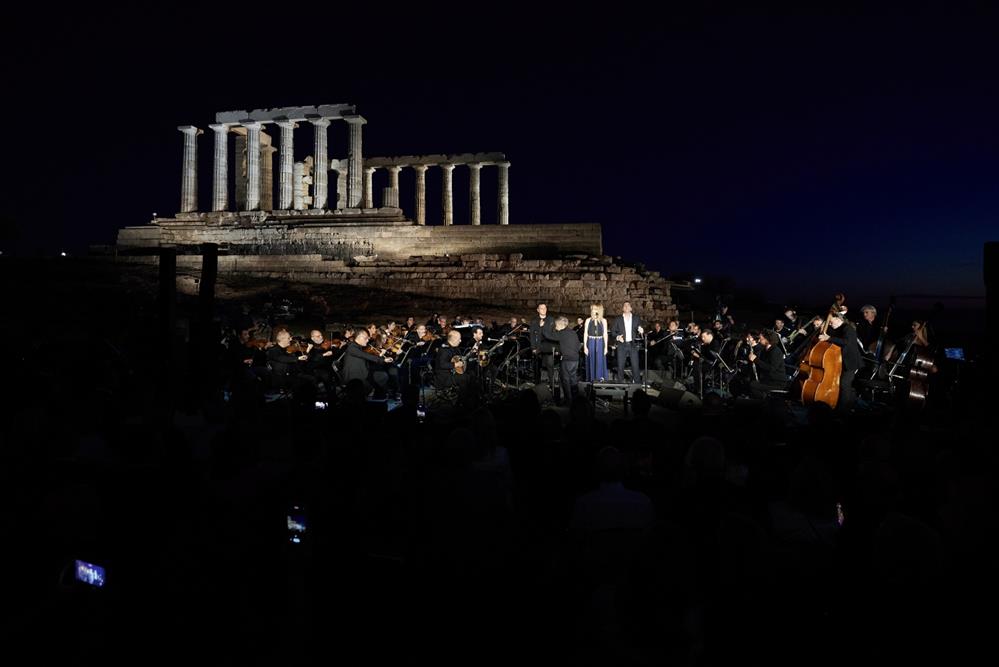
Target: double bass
<point x="821" y="367"/>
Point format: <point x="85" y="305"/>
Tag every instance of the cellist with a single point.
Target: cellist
<point x="842" y="334"/>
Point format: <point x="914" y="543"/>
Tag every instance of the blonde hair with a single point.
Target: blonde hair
<point x="599" y="307"/>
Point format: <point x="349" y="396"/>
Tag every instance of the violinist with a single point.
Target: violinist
<point x="705" y="356"/>
<point x="321" y="357"/>
<point x="410" y="324"/>
<point x="842" y="334"/>
<point x="359" y="363"/>
<point x="286" y="360"/>
<point x="439" y="326"/>
<point x="781" y="332"/>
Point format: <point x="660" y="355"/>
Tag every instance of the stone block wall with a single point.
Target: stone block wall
<point x="387" y="241"/>
<point x="568" y="285"/>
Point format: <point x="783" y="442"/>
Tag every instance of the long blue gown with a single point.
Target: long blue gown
<point x="596" y="360"/>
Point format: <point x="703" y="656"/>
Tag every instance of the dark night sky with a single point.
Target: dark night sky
<point x="801" y="153"/>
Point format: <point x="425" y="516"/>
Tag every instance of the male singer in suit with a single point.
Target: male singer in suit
<point x="626" y="331"/>
<point x="541" y="329"/>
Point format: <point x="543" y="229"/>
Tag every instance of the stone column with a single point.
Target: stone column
<point x="239" y="165"/>
<point x="394" y="185"/>
<point x="320" y="193"/>
<point x="355" y="162"/>
<point x="220" y="178"/>
<point x="267" y="178"/>
<point x="421" y="194"/>
<point x="369" y="193"/>
<point x="341" y="185"/>
<point x="474" y="200"/>
<point x="285" y="198"/>
<point x="447" y="171"/>
<point x="189" y="175"/>
<point x="298" y="173"/>
<point x="503" y="216"/>
<point x="252" y="165"/>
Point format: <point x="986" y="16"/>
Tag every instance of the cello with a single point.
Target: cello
<point x="821" y="367"/>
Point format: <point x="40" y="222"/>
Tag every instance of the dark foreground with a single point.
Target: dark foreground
<point x="507" y="533"/>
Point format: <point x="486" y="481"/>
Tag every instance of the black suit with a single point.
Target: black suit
<point x="569" y="345"/>
<point x="356" y="366"/>
<point x="845" y="337"/>
<point x="627" y="350"/>
<point x="541" y="333"/>
<point x="770" y="370"/>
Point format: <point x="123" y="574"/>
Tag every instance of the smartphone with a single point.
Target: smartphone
<point x="421" y="412"/>
<point x="90" y="574"/>
<point x="297" y="524"/>
<point x="956" y="353"/>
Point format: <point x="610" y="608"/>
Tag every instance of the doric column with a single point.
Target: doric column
<point x="320" y="193"/>
<point x="285" y="198"/>
<point x="369" y="193"/>
<point x="340" y="166"/>
<point x="474" y="201"/>
<point x="252" y="165"/>
<point x="267" y="178"/>
<point x="355" y="162"/>
<point x="421" y="194"/>
<point x="239" y="166"/>
<point x="394" y="185"/>
<point x="447" y="171"/>
<point x="503" y="216"/>
<point x="189" y="174"/>
<point x="220" y="175"/>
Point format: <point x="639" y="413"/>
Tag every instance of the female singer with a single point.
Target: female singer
<point x="595" y="344"/>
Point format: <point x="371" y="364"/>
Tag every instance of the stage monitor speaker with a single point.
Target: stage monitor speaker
<point x="678" y="399"/>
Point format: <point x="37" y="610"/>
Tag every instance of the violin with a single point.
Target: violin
<point x="258" y="343"/>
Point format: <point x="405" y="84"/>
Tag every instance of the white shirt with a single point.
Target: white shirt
<point x="627" y="327"/>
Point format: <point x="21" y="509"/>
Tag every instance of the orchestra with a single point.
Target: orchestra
<point x="824" y="358"/>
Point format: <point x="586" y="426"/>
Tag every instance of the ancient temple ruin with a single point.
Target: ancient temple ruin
<point x="305" y="187"/>
<point x="327" y="225"/>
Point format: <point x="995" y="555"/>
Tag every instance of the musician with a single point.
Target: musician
<point x="781" y="334"/>
<point x="724" y="318"/>
<point x="445" y="368"/>
<point x="540" y="329"/>
<point x="768" y="358"/>
<point x="410" y="323"/>
<point x="790" y="318"/>
<point x="626" y="331"/>
<point x="319" y="363"/>
<point x="657" y="346"/>
<point x="568" y="345"/>
<point x="285" y="365"/>
<point x="440" y="326"/>
<point x="842" y="334"/>
<point x="868" y="329"/>
<point x="508" y="327"/>
<point x="371" y="369"/>
<point x="705" y="356"/>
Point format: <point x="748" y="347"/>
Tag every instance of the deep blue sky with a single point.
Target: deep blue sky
<point x="802" y="152"/>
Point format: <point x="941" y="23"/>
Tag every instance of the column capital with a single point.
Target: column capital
<point x="395" y="168"/>
<point x="269" y="149"/>
<point x="474" y="165"/>
<point x="252" y="124"/>
<point x="370" y="170"/>
<point x="190" y="129"/>
<point x="422" y="168"/>
<point x="286" y="124"/>
<point x="220" y="127"/>
<point x="355" y="119"/>
<point x="447" y="167"/>
<point x="502" y="164"/>
<point x="320" y="122"/>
